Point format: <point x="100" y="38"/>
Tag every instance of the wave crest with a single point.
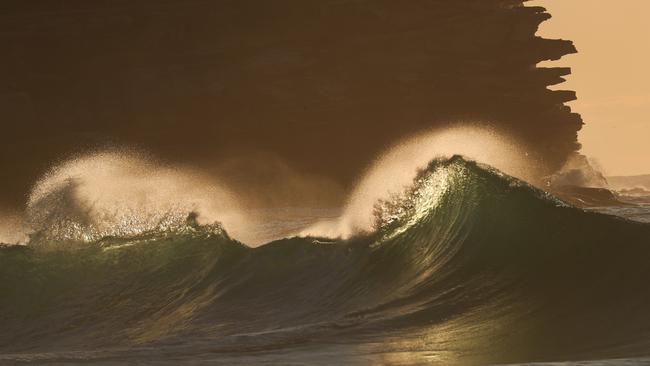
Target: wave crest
<point x="124" y="194"/>
<point x="393" y="173"/>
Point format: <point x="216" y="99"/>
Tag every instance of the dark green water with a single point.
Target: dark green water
<point x="488" y="271"/>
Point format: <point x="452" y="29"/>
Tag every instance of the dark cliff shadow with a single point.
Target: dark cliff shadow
<point x="324" y="85"/>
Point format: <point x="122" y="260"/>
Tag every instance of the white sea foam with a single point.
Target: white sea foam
<point x="124" y="193"/>
<point x="395" y="170"/>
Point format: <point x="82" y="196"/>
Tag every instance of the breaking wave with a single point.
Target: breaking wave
<point x="466" y="265"/>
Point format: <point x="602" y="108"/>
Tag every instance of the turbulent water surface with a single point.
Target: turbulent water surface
<point x="468" y="266"/>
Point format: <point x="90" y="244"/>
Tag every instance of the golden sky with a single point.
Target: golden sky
<point x="611" y="75"/>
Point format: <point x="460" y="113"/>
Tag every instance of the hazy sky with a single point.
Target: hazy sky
<point x="611" y="76"/>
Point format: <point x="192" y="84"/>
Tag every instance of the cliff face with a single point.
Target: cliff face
<point x="323" y="84"/>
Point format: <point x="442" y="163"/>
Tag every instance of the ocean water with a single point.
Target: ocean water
<point x="635" y="212"/>
<point x="468" y="267"/>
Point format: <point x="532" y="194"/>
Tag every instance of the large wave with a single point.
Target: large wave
<point x="393" y="172"/>
<point x="124" y="193"/>
<point x="466" y="266"/>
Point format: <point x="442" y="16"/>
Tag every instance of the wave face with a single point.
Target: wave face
<point x="468" y="266"/>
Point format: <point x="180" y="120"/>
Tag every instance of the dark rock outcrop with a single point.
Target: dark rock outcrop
<point x="323" y="84"/>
